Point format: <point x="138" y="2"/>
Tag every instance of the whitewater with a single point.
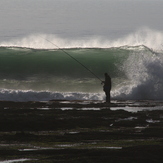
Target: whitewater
<point x="34" y="69"/>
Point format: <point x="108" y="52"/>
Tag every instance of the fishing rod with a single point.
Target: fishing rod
<point x="74" y="59"/>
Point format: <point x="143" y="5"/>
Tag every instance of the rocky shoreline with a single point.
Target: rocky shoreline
<point x="80" y="131"/>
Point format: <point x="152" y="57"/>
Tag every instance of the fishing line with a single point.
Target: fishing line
<point x="74" y="59"/>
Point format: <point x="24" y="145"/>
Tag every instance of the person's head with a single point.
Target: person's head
<point x="106" y="74"/>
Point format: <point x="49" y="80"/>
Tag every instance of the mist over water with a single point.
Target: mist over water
<point x="144" y="36"/>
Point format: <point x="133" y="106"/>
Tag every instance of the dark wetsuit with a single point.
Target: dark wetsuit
<point x="107" y="87"/>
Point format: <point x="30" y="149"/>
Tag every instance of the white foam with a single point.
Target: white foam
<point x="30" y="95"/>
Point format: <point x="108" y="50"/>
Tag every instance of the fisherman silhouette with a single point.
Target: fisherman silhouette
<point x="107" y="87"/>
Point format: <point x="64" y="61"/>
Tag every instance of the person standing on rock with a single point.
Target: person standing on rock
<point x="107" y="87"/>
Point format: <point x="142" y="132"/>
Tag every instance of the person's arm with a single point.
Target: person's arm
<point x="102" y="82"/>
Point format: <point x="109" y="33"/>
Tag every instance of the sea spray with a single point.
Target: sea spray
<point x="144" y="73"/>
<point x="143" y="36"/>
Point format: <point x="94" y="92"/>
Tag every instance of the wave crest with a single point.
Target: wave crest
<point x="144" y="36"/>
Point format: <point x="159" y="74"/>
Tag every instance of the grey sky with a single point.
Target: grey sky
<point x="78" y="18"/>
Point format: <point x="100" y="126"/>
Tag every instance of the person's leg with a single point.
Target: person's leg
<point x="108" y="97"/>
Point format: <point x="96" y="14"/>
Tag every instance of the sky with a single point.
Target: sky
<point x="78" y="18"/>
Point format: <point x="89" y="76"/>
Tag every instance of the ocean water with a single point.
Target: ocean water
<point x="40" y="40"/>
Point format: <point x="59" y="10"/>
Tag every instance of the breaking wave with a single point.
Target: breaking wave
<point x="33" y="68"/>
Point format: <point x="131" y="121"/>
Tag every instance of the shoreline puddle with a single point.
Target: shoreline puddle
<point x="16" y="160"/>
<point x="152" y="121"/>
<point x="109" y="147"/>
<point x="126" y="119"/>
